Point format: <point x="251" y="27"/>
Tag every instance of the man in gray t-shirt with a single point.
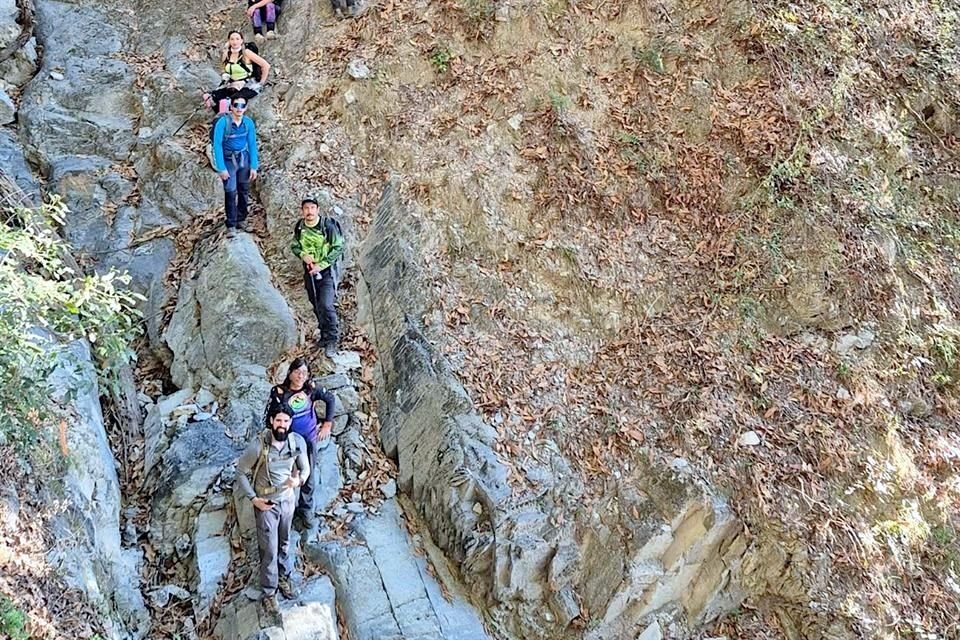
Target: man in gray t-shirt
<point x="269" y="471"/>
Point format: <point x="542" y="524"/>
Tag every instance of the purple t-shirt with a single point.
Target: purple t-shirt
<point x="304" y="415"/>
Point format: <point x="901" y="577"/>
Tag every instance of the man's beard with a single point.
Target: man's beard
<point x="280" y="436"/>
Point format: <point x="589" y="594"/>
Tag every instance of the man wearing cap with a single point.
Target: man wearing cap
<point x="318" y="242"/>
<point x="235" y="158"/>
<point x="271" y="468"/>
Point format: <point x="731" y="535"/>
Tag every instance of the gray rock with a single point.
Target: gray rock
<point x="848" y="342"/>
<point x="653" y="632"/>
<point x="389" y="490"/>
<point x="334" y="381"/>
<point x="385" y="591"/>
<point x="161" y="596"/>
<point x="95" y="563"/>
<point x="358" y="69"/>
<point x="189" y="466"/>
<point x="216" y="346"/>
<point x="748" y="439"/>
<point x="313" y="616"/>
<point x="15" y="165"/>
<point x="213" y="554"/>
<point x="8" y="110"/>
<point x="345" y="361"/>
<point x="348" y="401"/>
<point x="330" y="479"/>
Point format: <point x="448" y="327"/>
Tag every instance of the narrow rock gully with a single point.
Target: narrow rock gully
<point x="427" y="535"/>
<point x="115" y="81"/>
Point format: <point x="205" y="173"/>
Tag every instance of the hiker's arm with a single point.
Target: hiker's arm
<point x="219" y="163"/>
<point x="335" y="251"/>
<point x="296" y="247"/>
<point x="329" y="401"/>
<point x="303" y="464"/>
<point x="244" y="468"/>
<point x="252" y="145"/>
<point x="264" y="65"/>
<point x="256" y="6"/>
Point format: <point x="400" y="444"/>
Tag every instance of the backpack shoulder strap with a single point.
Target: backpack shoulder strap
<point x="262" y="458"/>
<point x="297" y="229"/>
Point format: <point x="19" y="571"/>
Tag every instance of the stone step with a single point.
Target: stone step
<point x="384" y="589"/>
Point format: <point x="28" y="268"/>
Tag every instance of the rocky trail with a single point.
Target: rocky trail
<point x="649" y="307"/>
<point x="97" y="120"/>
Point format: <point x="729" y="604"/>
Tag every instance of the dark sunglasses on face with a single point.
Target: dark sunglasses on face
<point x="240" y="105"/>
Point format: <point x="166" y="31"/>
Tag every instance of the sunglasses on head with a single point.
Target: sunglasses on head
<point x="240" y="105"/>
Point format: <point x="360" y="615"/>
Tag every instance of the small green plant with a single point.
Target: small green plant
<point x="559" y="102"/>
<point x="440" y="59"/>
<point x="13" y="621"/>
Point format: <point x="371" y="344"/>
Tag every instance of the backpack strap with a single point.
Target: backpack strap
<point x="261" y="459"/>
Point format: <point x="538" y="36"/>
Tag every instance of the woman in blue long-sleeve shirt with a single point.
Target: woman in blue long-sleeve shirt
<point x="236" y="160"/>
<point x="299" y="392"/>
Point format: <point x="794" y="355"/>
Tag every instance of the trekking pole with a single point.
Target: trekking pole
<point x="183" y="124"/>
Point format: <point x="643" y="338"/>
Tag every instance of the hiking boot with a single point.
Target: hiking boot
<point x="244" y="226"/>
<point x="287" y="590"/>
<point x="258" y="37"/>
<point x="330" y="349"/>
<point x="271" y="34"/>
<point x="231" y="233"/>
<point x="270" y="604"/>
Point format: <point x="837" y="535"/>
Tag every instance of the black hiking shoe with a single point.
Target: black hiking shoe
<point x="330" y="349"/>
<point x="244" y="226"/>
<point x="231" y="233"/>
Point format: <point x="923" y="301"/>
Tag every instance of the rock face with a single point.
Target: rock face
<point x="96" y="563"/>
<point x="229" y="324"/>
<point x="655" y="545"/>
<point x="17" y="69"/>
<point x="384" y="589"/>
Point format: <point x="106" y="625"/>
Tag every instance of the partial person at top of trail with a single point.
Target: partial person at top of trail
<point x="264" y="13"/>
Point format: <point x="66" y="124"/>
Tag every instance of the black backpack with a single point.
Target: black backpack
<point x="254" y="69"/>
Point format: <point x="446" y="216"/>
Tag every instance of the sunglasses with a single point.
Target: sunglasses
<point x="240" y="105"/>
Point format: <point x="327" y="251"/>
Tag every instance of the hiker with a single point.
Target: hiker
<point x="244" y="73"/>
<point x="299" y="393"/>
<point x="269" y="470"/>
<point x="235" y="159"/>
<point x="318" y="242"/>
<point x="344" y="7"/>
<point x="263" y="12"/>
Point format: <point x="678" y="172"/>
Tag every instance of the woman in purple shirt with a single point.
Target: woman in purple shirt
<point x="299" y="392"/>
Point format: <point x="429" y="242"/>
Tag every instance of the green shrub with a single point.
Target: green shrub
<point x="44" y="305"/>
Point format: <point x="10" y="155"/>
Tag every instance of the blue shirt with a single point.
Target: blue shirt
<point x="230" y="137"/>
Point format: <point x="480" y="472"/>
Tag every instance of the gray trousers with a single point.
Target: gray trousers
<point x="273" y="538"/>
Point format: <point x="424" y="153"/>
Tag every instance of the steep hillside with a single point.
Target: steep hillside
<point x="726" y="233"/>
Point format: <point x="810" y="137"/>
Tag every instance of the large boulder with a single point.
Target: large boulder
<point x="653" y="545"/>
<point x="230" y="323"/>
<point x="79" y="105"/>
<point x="94" y="561"/>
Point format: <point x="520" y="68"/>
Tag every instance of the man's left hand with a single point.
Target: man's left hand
<point x="253" y="174"/>
<point x="325" y="430"/>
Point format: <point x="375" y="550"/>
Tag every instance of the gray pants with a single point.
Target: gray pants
<point x="273" y="538"/>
